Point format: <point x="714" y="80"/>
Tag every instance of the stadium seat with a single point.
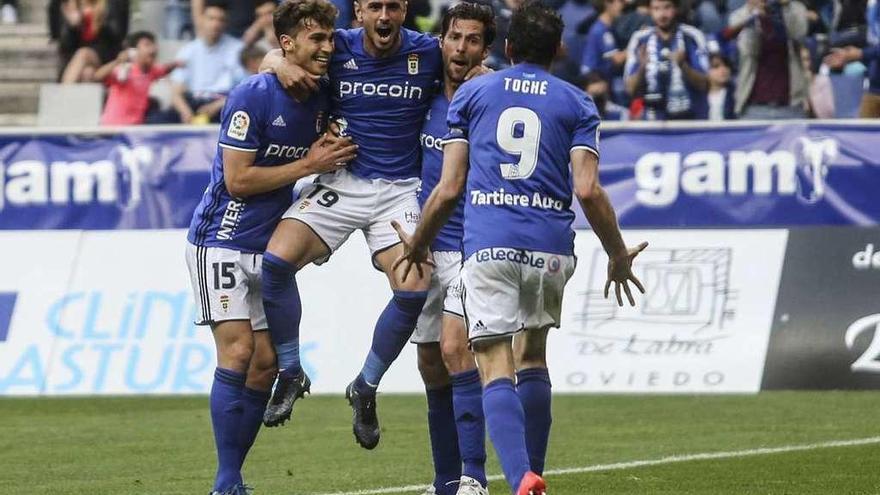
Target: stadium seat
<point x="70" y="104"/>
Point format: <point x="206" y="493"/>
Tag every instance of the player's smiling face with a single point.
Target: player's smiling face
<point x="382" y="20"/>
<point x="310" y="48"/>
<point x="463" y="47"/>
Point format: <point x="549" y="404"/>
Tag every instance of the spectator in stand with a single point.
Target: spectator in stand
<point x="89" y="34"/>
<point x="346" y="13"/>
<point x="503" y="11"/>
<point x="251" y="58"/>
<point x="129" y="78"/>
<point x="579" y="16"/>
<point x="772" y="80"/>
<point x="870" y="56"/>
<point x="262" y="31"/>
<point x="600" y="53"/>
<point x="636" y="17"/>
<point x="707" y="16"/>
<point x="9" y="12"/>
<point x="597" y="87"/>
<point x="720" y="97"/>
<point x="178" y="23"/>
<point x="666" y="66"/>
<point x="211" y="68"/>
<point x="418" y="14"/>
<point x="239" y="15"/>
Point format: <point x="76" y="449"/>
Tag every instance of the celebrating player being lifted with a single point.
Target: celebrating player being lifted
<point x="382" y="78"/>
<point x="267" y="142"/>
<point x="511" y="137"/>
<point x="452" y="384"/>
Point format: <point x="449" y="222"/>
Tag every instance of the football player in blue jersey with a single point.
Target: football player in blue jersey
<point x="512" y="135"/>
<point x="447" y="366"/>
<point x="383" y="77"/>
<point x="268" y="140"/>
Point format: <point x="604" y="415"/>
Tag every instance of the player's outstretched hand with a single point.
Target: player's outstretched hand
<point x="412" y="255"/>
<point x="328" y="154"/>
<point x="620" y="272"/>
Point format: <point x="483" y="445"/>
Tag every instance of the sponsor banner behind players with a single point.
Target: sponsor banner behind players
<point x="112" y="312"/>
<point x="658" y="176"/>
<point x="788" y="174"/>
<point x="826" y="330"/>
<point x="702" y="325"/>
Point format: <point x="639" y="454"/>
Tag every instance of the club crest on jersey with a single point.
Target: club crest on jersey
<point x="412" y="63"/>
<point x="238" y="125"/>
<point x="224" y="302"/>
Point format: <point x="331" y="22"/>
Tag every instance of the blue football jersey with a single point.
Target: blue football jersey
<point x="259" y="116"/>
<point x="383" y="101"/>
<point x="521" y="124"/>
<point x="449" y="237"/>
<point x="598" y="49"/>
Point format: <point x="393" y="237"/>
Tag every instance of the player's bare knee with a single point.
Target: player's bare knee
<point x="260" y="376"/>
<point x="238" y="351"/>
<point x="295" y="243"/>
<point x="456" y="355"/>
<point x="431" y="367"/>
<point x="530" y="349"/>
<point x="494" y="358"/>
<point x="414" y="281"/>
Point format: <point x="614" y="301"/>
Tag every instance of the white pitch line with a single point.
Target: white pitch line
<point x="648" y="462"/>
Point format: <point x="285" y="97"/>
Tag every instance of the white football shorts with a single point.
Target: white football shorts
<point x="508" y="290"/>
<point x="444" y="297"/>
<point x="338" y="203"/>
<point x="226" y="285"/>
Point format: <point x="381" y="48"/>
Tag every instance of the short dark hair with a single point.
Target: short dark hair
<point x="292" y="15"/>
<point x="252" y="52"/>
<point x="259" y="3"/>
<point x="471" y="11"/>
<point x="535" y="33"/>
<point x="220" y="4"/>
<point x="675" y="3"/>
<point x="134" y="38"/>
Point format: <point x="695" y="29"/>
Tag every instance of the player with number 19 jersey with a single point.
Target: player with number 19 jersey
<point x="521" y="124"/>
<point x="380" y="102"/>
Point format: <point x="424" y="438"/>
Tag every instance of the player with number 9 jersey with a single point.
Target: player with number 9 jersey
<point x="521" y="142"/>
<point x="521" y="123"/>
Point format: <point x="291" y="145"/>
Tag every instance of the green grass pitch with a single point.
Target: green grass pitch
<point x="164" y="446"/>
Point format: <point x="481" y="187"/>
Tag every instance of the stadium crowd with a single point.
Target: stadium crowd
<point x="638" y="59"/>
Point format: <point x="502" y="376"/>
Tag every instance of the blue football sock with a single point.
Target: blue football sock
<point x="253" y="407"/>
<point x="392" y="332"/>
<point x="226" y="409"/>
<point x="467" y="399"/>
<point x="444" y="440"/>
<point x="505" y="421"/>
<point x="283" y="309"/>
<point x="533" y="388"/>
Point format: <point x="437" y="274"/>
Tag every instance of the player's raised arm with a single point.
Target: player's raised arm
<point x="599" y="212"/>
<point x="290" y="75"/>
<point x="244" y="179"/>
<point x="437" y="209"/>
